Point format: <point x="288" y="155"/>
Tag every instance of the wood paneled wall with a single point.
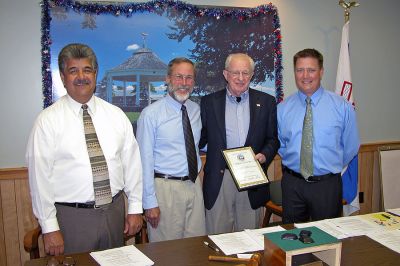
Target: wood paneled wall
<point x="16" y="217"/>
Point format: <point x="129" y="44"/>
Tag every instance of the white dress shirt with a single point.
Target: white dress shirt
<point x="58" y="161"/>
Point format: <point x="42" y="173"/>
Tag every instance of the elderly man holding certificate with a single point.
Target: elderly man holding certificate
<point x="233" y="118"/>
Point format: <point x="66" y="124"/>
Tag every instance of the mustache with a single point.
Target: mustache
<point x="80" y="82"/>
<point x="182" y="87"/>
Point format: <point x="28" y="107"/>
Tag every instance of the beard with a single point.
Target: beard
<point x="173" y="91"/>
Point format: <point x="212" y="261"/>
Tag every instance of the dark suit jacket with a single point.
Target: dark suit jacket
<point x="262" y="137"/>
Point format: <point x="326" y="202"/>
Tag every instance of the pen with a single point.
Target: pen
<point x="211" y="246"/>
<point x="386" y="216"/>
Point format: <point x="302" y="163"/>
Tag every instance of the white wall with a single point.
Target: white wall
<point x="374" y="37"/>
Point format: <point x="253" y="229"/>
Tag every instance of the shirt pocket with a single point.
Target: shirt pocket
<point x="328" y="136"/>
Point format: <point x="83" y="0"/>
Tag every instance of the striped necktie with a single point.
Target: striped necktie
<point x="189" y="144"/>
<point x="101" y="181"/>
<point x="306" y="153"/>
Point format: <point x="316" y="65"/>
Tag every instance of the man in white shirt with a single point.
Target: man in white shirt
<point x="62" y="175"/>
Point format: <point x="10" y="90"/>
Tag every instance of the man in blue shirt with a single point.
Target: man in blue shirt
<point x="172" y="195"/>
<point x="235" y="117"/>
<point x="314" y="191"/>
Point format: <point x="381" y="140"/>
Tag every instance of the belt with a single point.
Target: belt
<point x="311" y="179"/>
<point x="86" y="205"/>
<point x="182" y="178"/>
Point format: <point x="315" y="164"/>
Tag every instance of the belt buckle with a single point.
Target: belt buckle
<point x="312" y="180"/>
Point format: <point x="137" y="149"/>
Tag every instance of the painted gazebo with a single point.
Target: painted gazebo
<point x="135" y="77"/>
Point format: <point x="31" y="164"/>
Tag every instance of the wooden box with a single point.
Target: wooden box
<point x="280" y="252"/>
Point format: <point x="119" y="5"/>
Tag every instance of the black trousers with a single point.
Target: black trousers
<point x="302" y="200"/>
<point x="87" y="230"/>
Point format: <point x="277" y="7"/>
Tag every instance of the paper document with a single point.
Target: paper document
<point x="258" y="234"/>
<point x="394" y="211"/>
<point x="123" y="256"/>
<point x="390" y="239"/>
<point x="355" y="226"/>
<point x="384" y="220"/>
<point x="244" y="241"/>
<point x="326" y="226"/>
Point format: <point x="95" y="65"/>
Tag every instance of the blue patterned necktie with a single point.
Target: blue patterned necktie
<point x="306" y="153"/>
<point x="189" y="145"/>
<point x="101" y="181"/>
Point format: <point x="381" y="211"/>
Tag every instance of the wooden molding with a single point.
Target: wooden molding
<point x="13" y="173"/>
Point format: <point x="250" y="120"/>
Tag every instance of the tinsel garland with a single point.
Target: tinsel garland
<point x="128" y="9"/>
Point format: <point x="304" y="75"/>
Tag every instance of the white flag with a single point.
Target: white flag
<point x="344" y="87"/>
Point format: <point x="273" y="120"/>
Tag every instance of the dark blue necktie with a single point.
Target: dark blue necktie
<point x="189" y="144"/>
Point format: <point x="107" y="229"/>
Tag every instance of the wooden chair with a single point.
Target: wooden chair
<point x="273" y="206"/>
<point x="31" y="240"/>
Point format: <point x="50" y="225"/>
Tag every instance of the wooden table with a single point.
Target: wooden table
<point x="192" y="252"/>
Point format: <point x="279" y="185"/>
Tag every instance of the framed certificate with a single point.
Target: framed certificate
<point x="245" y="169"/>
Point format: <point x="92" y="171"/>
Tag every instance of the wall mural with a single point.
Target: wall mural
<point x="134" y="43"/>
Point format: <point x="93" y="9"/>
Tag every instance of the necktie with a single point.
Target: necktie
<point x="101" y="181"/>
<point x="306" y="153"/>
<point x="189" y="145"/>
<point x="238" y="99"/>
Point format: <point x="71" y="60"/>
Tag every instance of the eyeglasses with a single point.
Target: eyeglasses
<point x="67" y="261"/>
<point x="236" y="74"/>
<point x="180" y="78"/>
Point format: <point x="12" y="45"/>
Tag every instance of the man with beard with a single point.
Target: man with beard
<point x="82" y="155"/>
<point x="235" y="117"/>
<point x="168" y="134"/>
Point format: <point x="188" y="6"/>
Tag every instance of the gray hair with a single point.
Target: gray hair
<point x="177" y="61"/>
<point x="239" y="55"/>
<point x="76" y="51"/>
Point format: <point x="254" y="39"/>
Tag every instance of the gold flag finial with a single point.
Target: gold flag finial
<point x="347" y="7"/>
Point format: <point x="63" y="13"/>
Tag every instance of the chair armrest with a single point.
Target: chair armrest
<point x="276" y="209"/>
<point x="31" y="240"/>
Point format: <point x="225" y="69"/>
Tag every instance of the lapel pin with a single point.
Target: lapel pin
<point x="258" y="105"/>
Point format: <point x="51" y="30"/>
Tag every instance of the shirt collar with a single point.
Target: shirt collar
<point x="77" y="107"/>
<point x="232" y="98"/>
<point x="173" y="103"/>
<point x="314" y="98"/>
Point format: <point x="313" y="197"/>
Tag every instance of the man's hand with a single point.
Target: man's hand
<point x="133" y="224"/>
<point x="53" y="243"/>
<point x="261" y="158"/>
<point x="153" y="216"/>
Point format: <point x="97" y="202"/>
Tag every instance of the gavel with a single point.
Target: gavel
<point x="255" y="259"/>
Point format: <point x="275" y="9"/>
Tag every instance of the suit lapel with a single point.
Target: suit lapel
<point x="219" y="109"/>
<point x="254" y="106"/>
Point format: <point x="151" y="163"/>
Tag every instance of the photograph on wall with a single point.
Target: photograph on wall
<point x="134" y="43"/>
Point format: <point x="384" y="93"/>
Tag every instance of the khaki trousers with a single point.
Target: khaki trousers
<point x="182" y="210"/>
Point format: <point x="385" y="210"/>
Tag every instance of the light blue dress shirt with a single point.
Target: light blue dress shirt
<point x="335" y="133"/>
<point x="162" y="143"/>
<point x="237" y="119"/>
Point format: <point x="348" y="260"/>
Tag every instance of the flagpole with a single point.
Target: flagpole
<point x="344" y="87"/>
<point x="347" y="7"/>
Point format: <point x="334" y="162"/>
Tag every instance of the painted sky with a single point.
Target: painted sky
<point x="115" y="39"/>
